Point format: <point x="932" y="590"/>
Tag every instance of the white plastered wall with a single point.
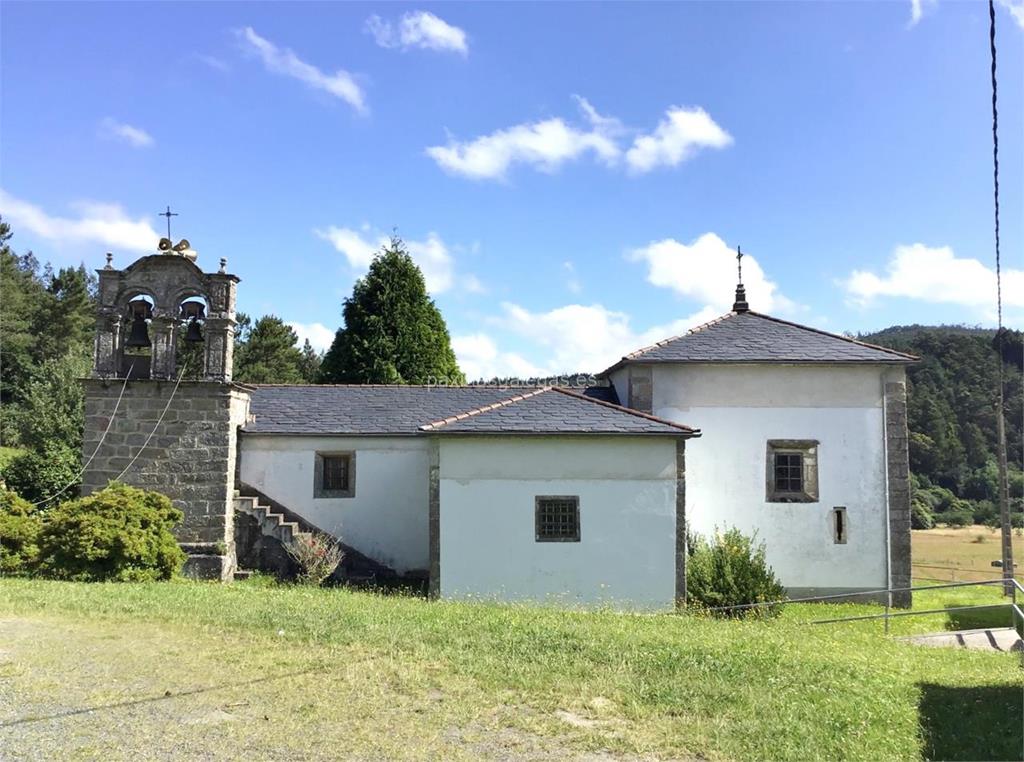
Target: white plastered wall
<point x="627" y="498"/>
<point x="386" y="519"/>
<point x="738" y="409"/>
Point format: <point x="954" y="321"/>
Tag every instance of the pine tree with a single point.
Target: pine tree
<point x="393" y="332"/>
<point x="310" y="365"/>
<point x="266" y="353"/>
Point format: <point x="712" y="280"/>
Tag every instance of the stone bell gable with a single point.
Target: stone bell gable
<point x="152" y="425"/>
<point x="168" y="280"/>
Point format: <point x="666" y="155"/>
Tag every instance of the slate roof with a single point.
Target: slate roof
<point x="415" y="410"/>
<point x="554" y="410"/>
<point x="750" y="337"/>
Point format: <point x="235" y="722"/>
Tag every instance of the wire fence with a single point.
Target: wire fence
<point x="957" y="573"/>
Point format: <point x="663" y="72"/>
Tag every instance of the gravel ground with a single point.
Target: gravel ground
<point x="100" y="690"/>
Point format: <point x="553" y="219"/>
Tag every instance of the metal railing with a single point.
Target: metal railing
<point x="1011" y="584"/>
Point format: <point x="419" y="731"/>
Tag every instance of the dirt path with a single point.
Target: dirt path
<point x="113" y="691"/>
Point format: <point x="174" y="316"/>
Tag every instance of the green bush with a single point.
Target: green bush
<point x="37" y="476"/>
<point x="730" y="570"/>
<point x="957" y="518"/>
<point x="19" y="531"/>
<point x="118" y="534"/>
<point x="921" y="516"/>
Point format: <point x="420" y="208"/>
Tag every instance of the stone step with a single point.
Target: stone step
<point x="990" y="639"/>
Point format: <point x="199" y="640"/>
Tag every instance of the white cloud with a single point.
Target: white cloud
<point x="548" y="144"/>
<point x="705" y="270"/>
<point x="357" y="250"/>
<point x="319" y="335"/>
<point x="431" y="255"/>
<point x="472" y="284"/>
<point x="341" y="84"/>
<point x="106" y="224"/>
<point x="213" y="62"/>
<point x="418" y="29"/>
<point x="133" y="136"/>
<point x="572" y="281"/>
<point x="479" y="358"/>
<point x="543" y="145"/>
<point x="933" y="274"/>
<point x="1016" y="9"/>
<point x="918" y="9"/>
<point x="588" y="338"/>
<point x="677" y="138"/>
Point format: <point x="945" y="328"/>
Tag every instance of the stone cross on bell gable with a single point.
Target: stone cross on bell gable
<point x="168" y="214"/>
<point x="740" y="305"/>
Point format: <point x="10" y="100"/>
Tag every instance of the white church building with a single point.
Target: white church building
<point x="545" y="494"/>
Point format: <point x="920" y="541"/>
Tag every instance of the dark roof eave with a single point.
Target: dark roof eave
<point x="767" y="361"/>
<point x="692" y="434"/>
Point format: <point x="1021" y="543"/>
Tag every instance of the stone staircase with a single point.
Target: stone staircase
<point x="264" y="528"/>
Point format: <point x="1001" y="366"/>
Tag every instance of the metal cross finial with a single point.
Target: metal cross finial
<point x="168" y="214"/>
<point x="739" y="264"/>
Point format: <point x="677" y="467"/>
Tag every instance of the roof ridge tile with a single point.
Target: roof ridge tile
<point x="485" y="409"/>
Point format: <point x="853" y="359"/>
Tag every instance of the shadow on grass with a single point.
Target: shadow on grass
<point x="971" y="723"/>
<point x="987" y="618"/>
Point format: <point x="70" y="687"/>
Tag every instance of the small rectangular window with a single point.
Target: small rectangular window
<point x="334" y="475"/>
<point x="792" y="471"/>
<point x="789" y="472"/>
<point x="640" y="388"/>
<point x="335" y="472"/>
<point x="558" y="519"/>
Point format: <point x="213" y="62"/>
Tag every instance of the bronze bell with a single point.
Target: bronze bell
<point x="193" y="312"/>
<point x="139" y="337"/>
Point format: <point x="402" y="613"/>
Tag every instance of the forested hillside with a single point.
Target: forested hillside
<point x="952" y="418"/>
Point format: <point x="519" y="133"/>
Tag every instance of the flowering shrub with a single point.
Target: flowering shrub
<point x="317" y="555"/>
<point x="729" y="570"/>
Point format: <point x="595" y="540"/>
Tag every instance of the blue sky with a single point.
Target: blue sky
<point x="572" y="178"/>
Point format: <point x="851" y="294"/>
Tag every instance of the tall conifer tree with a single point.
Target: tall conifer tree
<point x="393" y="332"/>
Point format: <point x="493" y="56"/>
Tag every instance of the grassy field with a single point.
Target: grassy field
<point x="203" y="670"/>
<point x="961" y="553"/>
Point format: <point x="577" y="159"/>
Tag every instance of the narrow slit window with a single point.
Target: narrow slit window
<point x="839" y="527"/>
<point x="558" y="519"/>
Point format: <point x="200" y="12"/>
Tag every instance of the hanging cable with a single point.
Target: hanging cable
<point x="78" y="477"/>
<point x="1004" y="499"/>
<point x="155" y="426"/>
<point x="995" y="169"/>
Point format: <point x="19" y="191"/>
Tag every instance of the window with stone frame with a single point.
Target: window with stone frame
<point x="557" y="518"/>
<point x="334" y="475"/>
<point x="641" y="391"/>
<point x="792" y="471"/>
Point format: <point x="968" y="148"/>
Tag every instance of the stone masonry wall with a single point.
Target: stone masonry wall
<point x="190" y="458"/>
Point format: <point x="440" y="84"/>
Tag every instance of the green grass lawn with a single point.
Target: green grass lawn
<point x="197" y="669"/>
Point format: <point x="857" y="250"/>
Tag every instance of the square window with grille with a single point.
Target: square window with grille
<point x="558" y="519"/>
<point x="792" y="471"/>
<point x="789" y="472"/>
<point x="334" y="475"/>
